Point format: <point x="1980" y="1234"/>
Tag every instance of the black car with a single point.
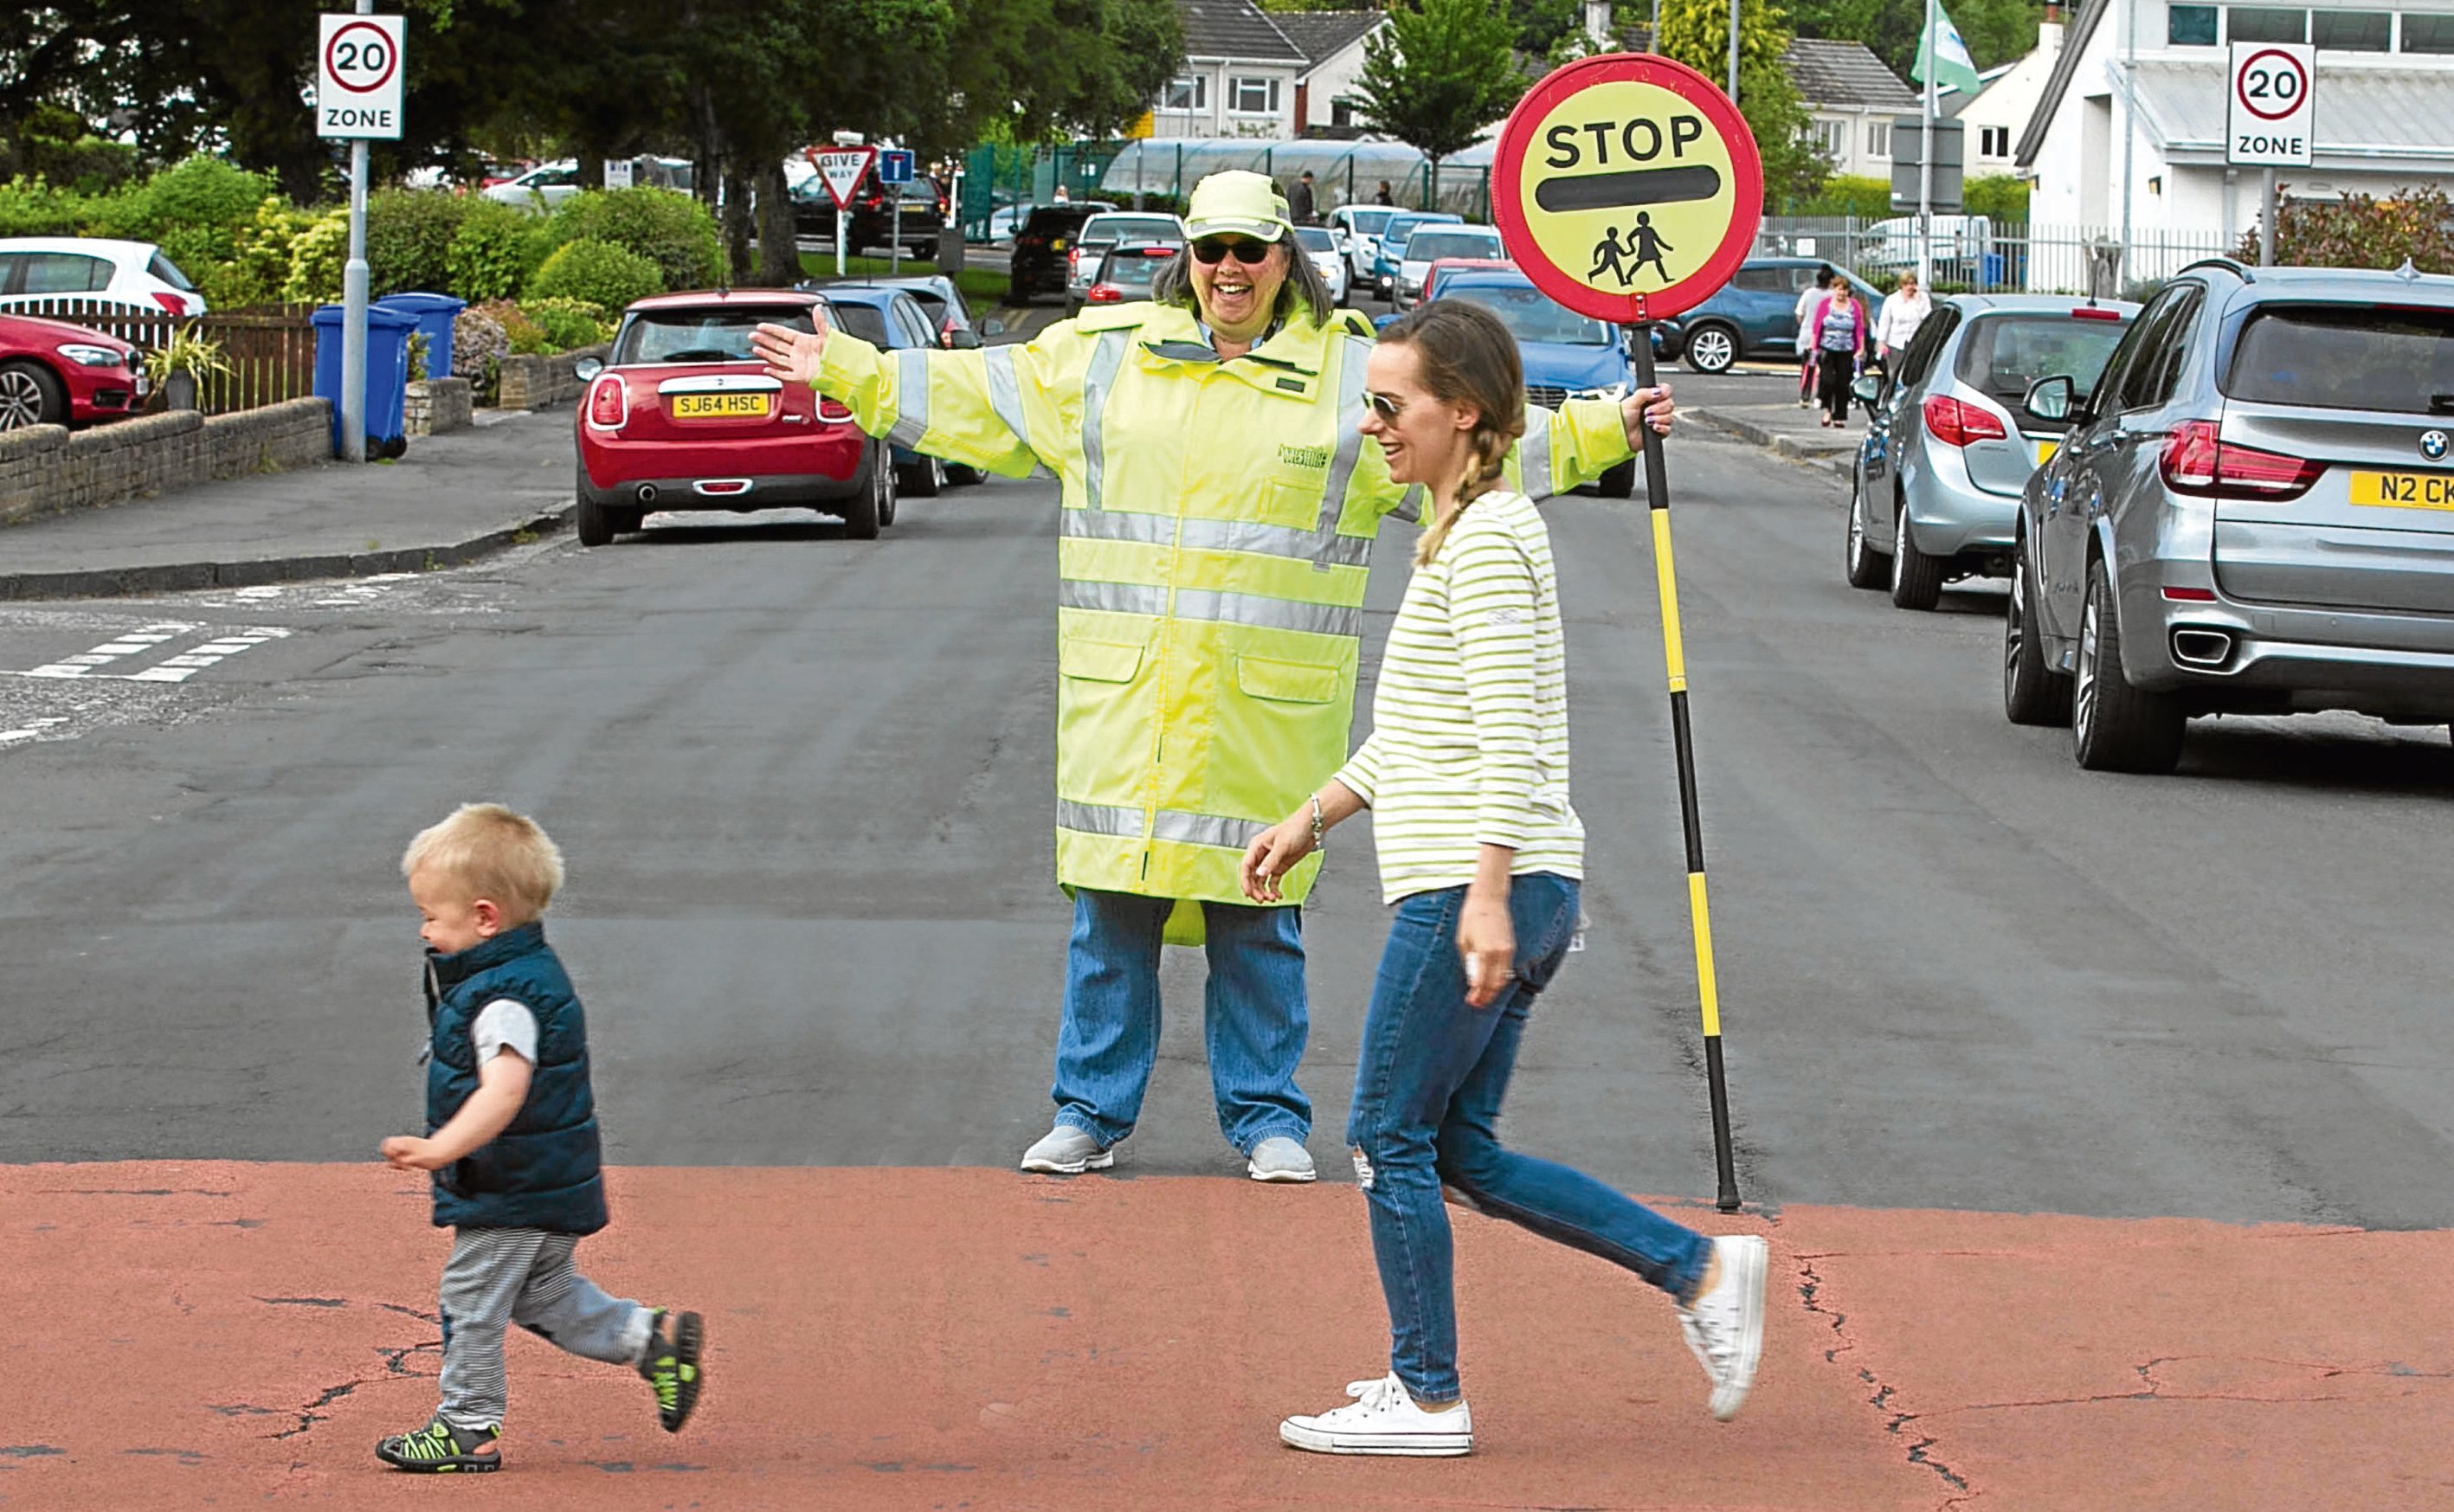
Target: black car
<point x="869" y="220"/>
<point x="1039" y="249"/>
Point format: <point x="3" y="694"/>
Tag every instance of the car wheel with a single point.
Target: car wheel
<point x="927" y="480"/>
<point x="596" y="523"/>
<point x="1617" y="482"/>
<point x="1712" y="349"/>
<point x="32" y="394"/>
<point x="1015" y="295"/>
<point x="2032" y="692"/>
<point x="865" y="515"/>
<point x="962" y="476"/>
<point x="1917" y="579"/>
<point x="2116" y="727"/>
<point x="1865" y="565"/>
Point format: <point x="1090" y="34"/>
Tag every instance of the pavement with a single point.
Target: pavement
<point x="450" y="499"/>
<point x="2098" y="1125"/>
<point x="1758" y="403"/>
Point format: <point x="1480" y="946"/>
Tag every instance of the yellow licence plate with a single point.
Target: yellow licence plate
<point x="2409" y="490"/>
<point x="2045" y="451"/>
<point x="721" y="406"/>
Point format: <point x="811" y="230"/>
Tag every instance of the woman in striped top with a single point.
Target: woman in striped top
<point x="1466" y="772"/>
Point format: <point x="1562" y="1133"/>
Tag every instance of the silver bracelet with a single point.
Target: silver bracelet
<point x="1319" y="829"/>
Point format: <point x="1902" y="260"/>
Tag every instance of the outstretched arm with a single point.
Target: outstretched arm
<point x="990" y="408"/>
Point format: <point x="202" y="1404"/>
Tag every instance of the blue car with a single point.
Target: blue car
<point x="889" y="319"/>
<point x="1754" y="316"/>
<point x="1393" y="245"/>
<point x="1566" y="355"/>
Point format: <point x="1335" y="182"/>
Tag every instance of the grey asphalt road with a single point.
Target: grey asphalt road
<point x="804" y="784"/>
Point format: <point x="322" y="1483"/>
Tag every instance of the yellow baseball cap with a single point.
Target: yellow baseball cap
<point x="1237" y="202"/>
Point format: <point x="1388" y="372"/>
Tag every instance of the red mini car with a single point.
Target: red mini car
<point x="55" y="373"/>
<point x="681" y="416"/>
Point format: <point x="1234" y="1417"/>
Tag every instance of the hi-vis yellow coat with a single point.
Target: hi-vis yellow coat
<point x="1218" y="528"/>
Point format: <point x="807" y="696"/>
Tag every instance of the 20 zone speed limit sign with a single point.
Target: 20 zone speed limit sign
<point x="2272" y="114"/>
<point x="358" y="77"/>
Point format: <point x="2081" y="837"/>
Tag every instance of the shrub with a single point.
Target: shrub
<point x="2362" y="231"/>
<point x="1868" y="198"/>
<point x="259" y="272"/>
<point x="32" y="207"/>
<point x="673" y="231"/>
<point x="319" y="255"/>
<point x="568" y="323"/>
<point x="493" y="254"/>
<point x="193" y="211"/>
<point x="605" y="276"/>
<point x="524" y="336"/>
<point x="2004" y="197"/>
<point x="409" y="237"/>
<point x="478" y="346"/>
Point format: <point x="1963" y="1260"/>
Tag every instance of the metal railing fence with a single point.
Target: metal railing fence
<point x="1978" y="254"/>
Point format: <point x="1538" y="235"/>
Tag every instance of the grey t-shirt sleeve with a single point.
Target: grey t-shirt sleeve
<point x="505" y="1024"/>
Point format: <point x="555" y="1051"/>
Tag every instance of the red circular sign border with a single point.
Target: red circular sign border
<point x="1507" y="179"/>
<point x="392" y="64"/>
<point x="2242" y="78"/>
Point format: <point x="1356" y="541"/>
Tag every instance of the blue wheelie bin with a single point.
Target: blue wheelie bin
<point x="387" y="373"/>
<point x="434" y="312"/>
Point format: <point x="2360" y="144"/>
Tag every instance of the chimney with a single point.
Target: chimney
<point x="1597" y="26"/>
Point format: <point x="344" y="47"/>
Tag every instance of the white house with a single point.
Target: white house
<point x="2384" y="112"/>
<point x="1334" y="42"/>
<point x="1995" y="116"/>
<point x="1240" y="74"/>
<point x="1851" y="98"/>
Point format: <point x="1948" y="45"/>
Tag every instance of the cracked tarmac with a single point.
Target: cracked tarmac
<point x="879" y="1336"/>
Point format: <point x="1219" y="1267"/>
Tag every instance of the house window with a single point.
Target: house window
<point x="1994" y="141"/>
<point x="2269" y="24"/>
<point x="1188" y="93"/>
<point x="1833" y="137"/>
<point x="1341" y="112"/>
<point x="1253" y="97"/>
<point x="2190" y="26"/>
<point x="2425" y="34"/>
<point x="2351" y="31"/>
<point x="1878" y="138"/>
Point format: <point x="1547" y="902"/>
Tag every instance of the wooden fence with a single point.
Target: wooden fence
<point x="271" y="349"/>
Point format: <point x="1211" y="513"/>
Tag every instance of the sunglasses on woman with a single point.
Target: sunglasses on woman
<point x="1210" y="250"/>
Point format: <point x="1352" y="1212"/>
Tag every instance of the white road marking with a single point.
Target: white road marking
<point x="182" y="667"/>
<point x="32" y="728"/>
<point x="110" y="651"/>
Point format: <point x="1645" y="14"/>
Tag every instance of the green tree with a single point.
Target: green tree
<point x="1437" y="74"/>
<point x="1696" y="32"/>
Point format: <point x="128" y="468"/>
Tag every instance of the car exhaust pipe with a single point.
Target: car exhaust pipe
<point x="647" y="492"/>
<point x="2201" y="648"/>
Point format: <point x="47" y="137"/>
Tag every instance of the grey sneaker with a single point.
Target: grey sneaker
<point x="1724" y="1329"/>
<point x="1068" y="1151"/>
<point x="1280" y="1158"/>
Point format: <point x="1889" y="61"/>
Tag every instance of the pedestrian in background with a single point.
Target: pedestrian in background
<point x="1808" y="303"/>
<point x="1481" y="854"/>
<point x="1219" y="509"/>
<point x="1381" y="196"/>
<point x="1300" y="200"/>
<point x="1902" y="314"/>
<point x="1840" y="341"/>
<point x="511" y="1141"/>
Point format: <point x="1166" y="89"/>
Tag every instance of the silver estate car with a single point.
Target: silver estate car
<point x="1936" y="486"/>
<point x="2253" y="514"/>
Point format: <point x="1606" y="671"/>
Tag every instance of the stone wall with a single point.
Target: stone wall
<point x="436" y="405"/>
<point x="47" y="468"/>
<point x="535" y="383"/>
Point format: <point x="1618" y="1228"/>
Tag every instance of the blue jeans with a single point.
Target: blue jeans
<point x="1256" y="1016"/>
<point x="1428" y="1086"/>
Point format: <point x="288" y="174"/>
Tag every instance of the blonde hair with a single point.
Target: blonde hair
<point x="1468" y="357"/>
<point x="493" y="853"/>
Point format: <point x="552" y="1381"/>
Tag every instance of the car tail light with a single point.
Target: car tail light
<point x="832" y="413"/>
<point x="1105" y="295"/>
<point x="177" y="304"/>
<point x="1955" y="422"/>
<point x="1074" y="261"/>
<point x="2197" y="460"/>
<point x="608" y="403"/>
<point x="2092" y="312"/>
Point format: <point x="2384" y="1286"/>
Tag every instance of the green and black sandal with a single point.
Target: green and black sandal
<point x="440" y="1446"/>
<point x="671" y="1366"/>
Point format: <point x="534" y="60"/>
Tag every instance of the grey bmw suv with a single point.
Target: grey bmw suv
<point x="2252" y="513"/>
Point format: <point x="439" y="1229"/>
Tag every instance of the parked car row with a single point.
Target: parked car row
<point x="2238" y="500"/>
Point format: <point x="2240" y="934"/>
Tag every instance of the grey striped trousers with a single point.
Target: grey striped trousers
<point x="524" y="1275"/>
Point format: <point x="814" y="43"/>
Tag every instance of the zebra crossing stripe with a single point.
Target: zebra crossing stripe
<point x="129" y="644"/>
<point x="187" y="664"/>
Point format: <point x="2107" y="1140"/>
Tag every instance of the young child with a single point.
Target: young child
<point x="511" y="1142"/>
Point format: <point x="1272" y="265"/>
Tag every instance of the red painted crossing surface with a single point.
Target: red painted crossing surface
<point x="195" y="1333"/>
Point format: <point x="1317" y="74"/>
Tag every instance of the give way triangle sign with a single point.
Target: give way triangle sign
<point x="842" y="168"/>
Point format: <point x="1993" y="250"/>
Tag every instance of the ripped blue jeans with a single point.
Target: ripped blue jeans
<point x="1428" y="1086"/>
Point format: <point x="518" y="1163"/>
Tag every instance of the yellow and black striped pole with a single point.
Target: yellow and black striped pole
<point x="1657" y="493"/>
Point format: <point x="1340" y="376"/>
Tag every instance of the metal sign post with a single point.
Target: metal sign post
<point x="1629" y="189"/>
<point x="894" y="172"/>
<point x="357" y="95"/>
<point x="841" y="170"/>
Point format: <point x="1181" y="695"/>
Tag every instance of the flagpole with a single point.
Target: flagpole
<point x="1925" y="156"/>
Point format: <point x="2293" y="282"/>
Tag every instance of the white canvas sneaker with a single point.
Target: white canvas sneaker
<point x="1382" y="1419"/>
<point x="1068" y="1151"/>
<point x="1280" y="1158"/>
<point x="1725" y="1330"/>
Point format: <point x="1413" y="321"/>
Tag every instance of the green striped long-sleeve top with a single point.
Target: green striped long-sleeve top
<point x="1469" y="743"/>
